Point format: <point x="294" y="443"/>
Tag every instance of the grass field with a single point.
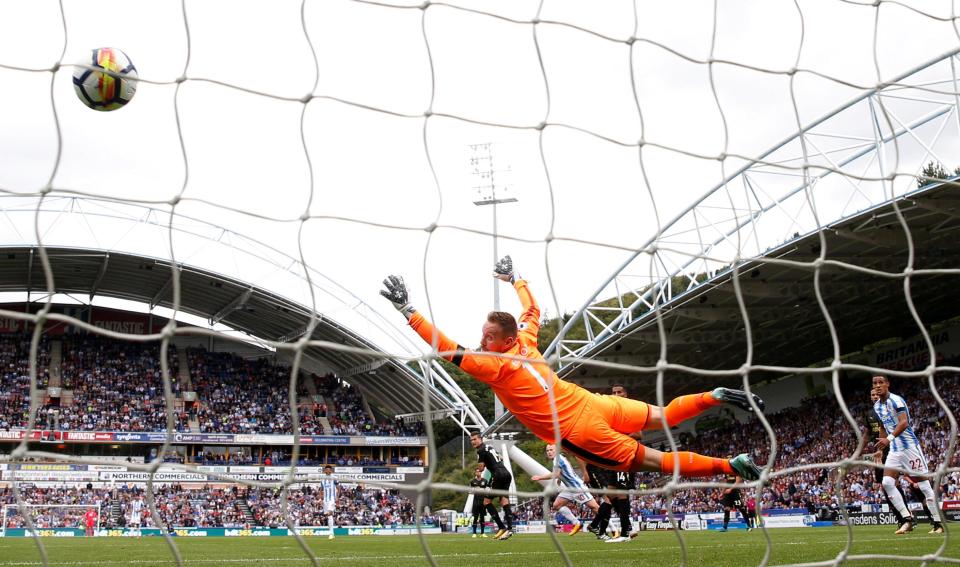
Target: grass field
<point x="735" y="548"/>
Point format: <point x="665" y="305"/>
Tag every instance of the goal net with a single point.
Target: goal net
<point x="722" y="193"/>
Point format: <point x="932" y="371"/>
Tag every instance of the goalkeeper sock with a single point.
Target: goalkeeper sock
<point x="693" y="464"/>
<point x="684" y="407"/>
<point x="508" y="516"/>
<point x="726" y="518"/>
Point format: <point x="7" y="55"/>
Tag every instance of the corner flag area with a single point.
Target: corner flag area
<point x="735" y="548"/>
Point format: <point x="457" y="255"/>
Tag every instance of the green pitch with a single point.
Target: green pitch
<point x="735" y="548"/>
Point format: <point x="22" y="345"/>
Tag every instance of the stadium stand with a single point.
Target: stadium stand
<point x="217" y="506"/>
<point x="109" y="385"/>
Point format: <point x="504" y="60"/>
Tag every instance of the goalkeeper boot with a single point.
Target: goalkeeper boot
<point x="737" y="398"/>
<point x="507" y="534"/>
<point x="744" y="466"/>
<point x="937" y="528"/>
<point x="499" y="533"/>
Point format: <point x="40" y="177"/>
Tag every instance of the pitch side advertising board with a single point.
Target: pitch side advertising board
<point x="205" y="438"/>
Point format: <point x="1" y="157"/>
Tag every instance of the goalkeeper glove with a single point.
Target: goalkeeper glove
<point x="396" y="292"/>
<point x="504" y="270"/>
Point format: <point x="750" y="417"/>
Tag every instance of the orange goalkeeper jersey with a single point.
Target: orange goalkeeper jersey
<point x="523" y="387"/>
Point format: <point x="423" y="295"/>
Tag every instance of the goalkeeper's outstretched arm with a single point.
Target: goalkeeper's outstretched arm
<point x="529" y="321"/>
<point x="483" y="368"/>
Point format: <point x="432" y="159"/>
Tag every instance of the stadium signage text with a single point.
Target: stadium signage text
<point x="872" y="519"/>
<point x="198" y="438"/>
<point x="913" y="353"/>
<point x="224" y="532"/>
<point x="54" y="472"/>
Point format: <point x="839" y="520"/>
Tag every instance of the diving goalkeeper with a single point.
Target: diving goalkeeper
<point x="594" y="427"/>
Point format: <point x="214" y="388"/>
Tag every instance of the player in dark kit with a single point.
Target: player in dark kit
<point x="491" y="460"/>
<point x="733" y="500"/>
<point x="600" y="479"/>
<point x="478" y="483"/>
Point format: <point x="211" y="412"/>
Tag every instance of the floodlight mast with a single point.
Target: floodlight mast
<point x="481" y="165"/>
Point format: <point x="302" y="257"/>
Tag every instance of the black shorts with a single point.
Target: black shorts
<point x="501" y="480"/>
<point x="602" y="478"/>
<point x="732" y="500"/>
<point x="598" y="478"/>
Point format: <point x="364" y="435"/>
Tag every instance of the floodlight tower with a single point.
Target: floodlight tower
<point x="488" y="193"/>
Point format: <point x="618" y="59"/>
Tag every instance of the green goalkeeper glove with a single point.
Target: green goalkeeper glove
<point x="396" y="292"/>
<point x="504" y="270"/>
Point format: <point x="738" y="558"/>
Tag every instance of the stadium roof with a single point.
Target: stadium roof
<point x="247" y="308"/>
<point x="705" y="328"/>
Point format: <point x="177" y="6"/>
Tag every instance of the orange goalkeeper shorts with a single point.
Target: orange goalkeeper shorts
<point x="600" y="434"/>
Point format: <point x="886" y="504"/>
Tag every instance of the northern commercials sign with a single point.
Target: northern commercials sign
<point x="157" y="437"/>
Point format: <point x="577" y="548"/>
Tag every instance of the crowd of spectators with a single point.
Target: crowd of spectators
<point x="15" y="376"/>
<point x="237" y="395"/>
<point x="213" y="506"/>
<point x="343" y="408"/>
<point x="356" y="506"/>
<point x="113" y="385"/>
<point x="814" y="432"/>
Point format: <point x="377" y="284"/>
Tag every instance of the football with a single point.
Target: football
<point x="110" y="83"/>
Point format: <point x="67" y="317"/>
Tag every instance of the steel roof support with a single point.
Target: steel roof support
<point x="96" y="281"/>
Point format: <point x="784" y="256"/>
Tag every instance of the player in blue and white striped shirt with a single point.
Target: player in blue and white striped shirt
<point x="329" y="485"/>
<point x="905" y="453"/>
<point x="576" y="489"/>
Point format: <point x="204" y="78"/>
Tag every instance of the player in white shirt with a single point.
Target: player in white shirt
<point x="574" y="489"/>
<point x="905" y="453"/>
<point x="328" y="483"/>
<point x="136" y="514"/>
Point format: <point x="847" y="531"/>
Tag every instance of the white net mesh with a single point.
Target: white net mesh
<point x="317" y="138"/>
